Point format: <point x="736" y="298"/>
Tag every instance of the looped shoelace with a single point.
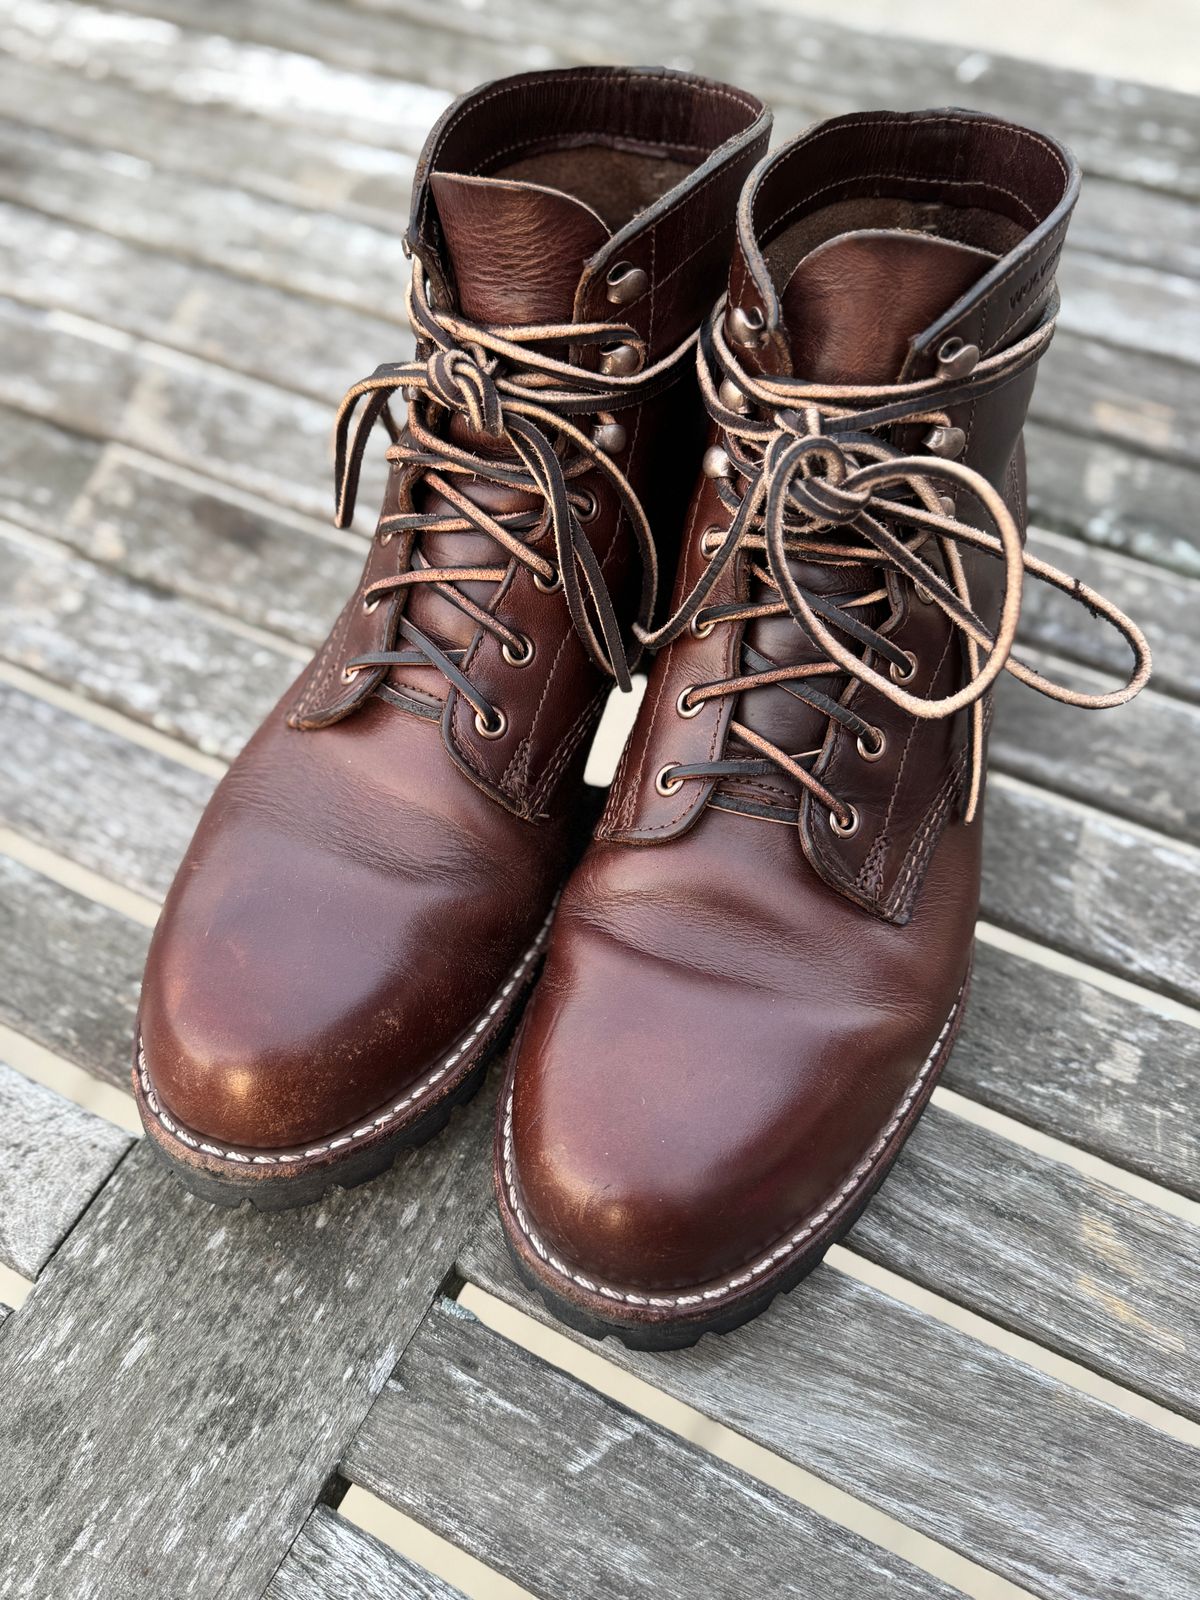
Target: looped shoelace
<point x="806" y="475"/>
<point x="511" y="392"/>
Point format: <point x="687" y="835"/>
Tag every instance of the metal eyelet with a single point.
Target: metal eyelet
<point x="387" y="536"/>
<point x="897" y="674"/>
<point x="590" y="508"/>
<point x="700" y="630"/>
<point x="847" y="829"/>
<point x="350" y="673"/>
<point x="716" y="463"/>
<point x="666" y="785"/>
<point x="548" y="585"/>
<point x="745" y="328"/>
<point x="922" y="594"/>
<point x="372" y="605"/>
<point x="491" y="730"/>
<point x="711" y="541"/>
<point x="872" y="752"/>
<point x="620" y="360"/>
<point x="528" y="651"/>
<point x="625" y="283"/>
<point x="609" y="437"/>
<point x="957" y="359"/>
<point x="687" y="707"/>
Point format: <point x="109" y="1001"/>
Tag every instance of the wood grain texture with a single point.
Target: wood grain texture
<point x="1032" y="1245"/>
<point x="567" y="1493"/>
<point x="53" y="1157"/>
<point x="182" y="1380"/>
<point x="175" y="531"/>
<point x="1164" y="605"/>
<point x="334" y="259"/>
<point x="1090" y="1067"/>
<point x="240" y="429"/>
<point x="1028" y="1477"/>
<point x="70" y="970"/>
<point x="1096" y="887"/>
<point x="151" y="656"/>
<point x="285" y="162"/>
<point x="1141" y="762"/>
<point x="333" y="1560"/>
<point x="94" y="797"/>
<point x="314" y="348"/>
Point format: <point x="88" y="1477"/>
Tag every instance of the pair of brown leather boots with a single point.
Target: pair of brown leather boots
<point x="796" y="385"/>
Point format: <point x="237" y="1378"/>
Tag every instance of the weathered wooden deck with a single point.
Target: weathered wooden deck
<point x="199" y="250"/>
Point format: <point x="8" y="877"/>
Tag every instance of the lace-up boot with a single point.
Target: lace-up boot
<point x="759" y="967"/>
<point x="366" y="899"/>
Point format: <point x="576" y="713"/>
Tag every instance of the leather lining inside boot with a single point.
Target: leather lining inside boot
<point x="615" y="183"/>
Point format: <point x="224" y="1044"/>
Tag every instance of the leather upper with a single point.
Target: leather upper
<point x="373" y="866"/>
<point x="737" y="998"/>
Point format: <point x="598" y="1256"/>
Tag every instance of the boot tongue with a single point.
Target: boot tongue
<point x="516" y="250"/>
<point x="852" y="305"/>
<point x="850" y="308"/>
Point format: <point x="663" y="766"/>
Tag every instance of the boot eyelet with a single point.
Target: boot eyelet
<point x="666" y="784"/>
<point x="610" y="437"/>
<point x="387" y="536"/>
<point x="620" y="360"/>
<point x="873" y="750"/>
<point x="847" y="829"/>
<point x="372" y="605"/>
<point x="922" y="594"/>
<point x="590" y="509"/>
<point x="521" y="657"/>
<point x="711" y="541"/>
<point x="625" y="283"/>
<point x="686" y="706"/>
<point x="494" y="729"/>
<point x="898" y="674"/>
<point x="746" y="328"/>
<point x="350" y="673"/>
<point x="548" y="585"/>
<point x="700" y="630"/>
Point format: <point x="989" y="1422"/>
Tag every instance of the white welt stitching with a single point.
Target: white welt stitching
<point x="384" y="1117"/>
<point x="765" y="1263"/>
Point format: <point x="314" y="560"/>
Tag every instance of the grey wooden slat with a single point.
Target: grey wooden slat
<point x="1138" y="306"/>
<point x="1141" y="762"/>
<point x="1112" y="494"/>
<point x="331" y="258"/>
<point x="1042" y="1484"/>
<point x="1131" y="223"/>
<point x="89" y="794"/>
<point x="194" y="66"/>
<point x="1093" y="886"/>
<point x="1091" y="1067"/>
<point x="1121" y="391"/>
<point x="248" y="432"/>
<point x="567" y="1493"/>
<point x="333" y="1560"/>
<point x="284" y="161"/>
<point x="150" y="655"/>
<point x="174" y="532"/>
<point x="53" y="1157"/>
<point x="1165" y="607"/>
<point x="1031" y="1244"/>
<point x="70" y="970"/>
<point x="175" y="1443"/>
<point x="311" y="348"/>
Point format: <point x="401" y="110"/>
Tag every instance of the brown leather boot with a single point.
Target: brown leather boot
<point x="758" y="969"/>
<point x="367" y="897"/>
